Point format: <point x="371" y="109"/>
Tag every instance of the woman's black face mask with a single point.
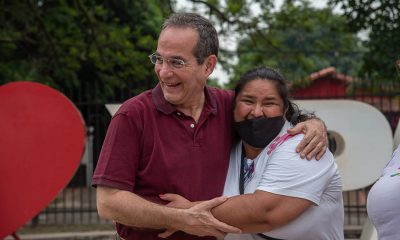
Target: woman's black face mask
<point x="259" y="132"/>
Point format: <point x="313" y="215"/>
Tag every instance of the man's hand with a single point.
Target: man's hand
<point x="199" y="221"/>
<point x="315" y="141"/>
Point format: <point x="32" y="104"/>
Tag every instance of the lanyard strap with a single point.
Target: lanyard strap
<point x="241" y="178"/>
<point x="241" y="188"/>
<point x="267" y="237"/>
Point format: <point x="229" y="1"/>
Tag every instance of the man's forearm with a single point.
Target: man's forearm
<point x="132" y="210"/>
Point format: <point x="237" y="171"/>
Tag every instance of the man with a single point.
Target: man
<point x="174" y="138"/>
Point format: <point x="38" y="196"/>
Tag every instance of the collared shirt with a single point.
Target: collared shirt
<point x="151" y="149"/>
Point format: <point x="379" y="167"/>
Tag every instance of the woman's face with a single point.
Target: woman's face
<point x="258" y="98"/>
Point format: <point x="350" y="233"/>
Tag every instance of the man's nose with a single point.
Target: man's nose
<point x="164" y="70"/>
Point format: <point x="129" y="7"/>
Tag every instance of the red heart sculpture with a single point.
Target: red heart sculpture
<point x="42" y="138"/>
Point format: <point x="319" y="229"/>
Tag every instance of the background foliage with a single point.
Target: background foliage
<point x="381" y="19"/>
<point x="76" y="45"/>
<point x="80" y="43"/>
<point x="299" y="40"/>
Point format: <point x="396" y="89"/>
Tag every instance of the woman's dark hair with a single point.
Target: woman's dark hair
<point x="293" y="114"/>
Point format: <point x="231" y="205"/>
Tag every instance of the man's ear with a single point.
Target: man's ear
<point x="210" y="63"/>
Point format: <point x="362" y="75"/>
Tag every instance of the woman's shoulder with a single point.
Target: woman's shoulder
<point x="285" y="142"/>
<point x="289" y="145"/>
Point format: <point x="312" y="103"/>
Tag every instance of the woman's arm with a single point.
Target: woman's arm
<point x="260" y="211"/>
<point x="257" y="212"/>
<point x="287" y="187"/>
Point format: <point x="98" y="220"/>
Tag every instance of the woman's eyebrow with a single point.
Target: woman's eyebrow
<point x="270" y="98"/>
<point x="248" y="95"/>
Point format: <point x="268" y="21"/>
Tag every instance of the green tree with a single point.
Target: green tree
<point x="299" y="40"/>
<point x="72" y="44"/>
<point x="381" y="20"/>
<point x="233" y="19"/>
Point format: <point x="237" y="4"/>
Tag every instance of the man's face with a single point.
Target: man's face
<point x="181" y="86"/>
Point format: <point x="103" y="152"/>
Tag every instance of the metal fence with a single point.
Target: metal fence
<point x="76" y="203"/>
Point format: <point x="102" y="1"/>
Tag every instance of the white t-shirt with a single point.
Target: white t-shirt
<point x="280" y="170"/>
<point x="383" y="204"/>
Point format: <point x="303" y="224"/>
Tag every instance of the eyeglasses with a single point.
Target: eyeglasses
<point x="174" y="62"/>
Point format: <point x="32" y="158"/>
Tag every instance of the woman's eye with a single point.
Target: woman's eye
<point x="268" y="103"/>
<point x="247" y="101"/>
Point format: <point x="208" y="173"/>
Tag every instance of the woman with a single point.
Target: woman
<point x="282" y="195"/>
<point x="383" y="200"/>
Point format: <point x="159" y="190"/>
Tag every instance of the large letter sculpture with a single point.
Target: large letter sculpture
<point x="364" y="142"/>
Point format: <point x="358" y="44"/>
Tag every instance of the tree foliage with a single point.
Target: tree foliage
<point x="299" y="40"/>
<point x="71" y="44"/>
<point x="381" y="19"/>
<point x="233" y="19"/>
<point x="103" y="45"/>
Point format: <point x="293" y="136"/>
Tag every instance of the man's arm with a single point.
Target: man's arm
<point x="315" y="141"/>
<point x="132" y="210"/>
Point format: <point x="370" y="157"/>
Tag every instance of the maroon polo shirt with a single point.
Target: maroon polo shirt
<point x="151" y="148"/>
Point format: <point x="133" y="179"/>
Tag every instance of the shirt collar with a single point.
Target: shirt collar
<point x="167" y="108"/>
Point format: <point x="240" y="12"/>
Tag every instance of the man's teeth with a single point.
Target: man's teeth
<point x="172" y="84"/>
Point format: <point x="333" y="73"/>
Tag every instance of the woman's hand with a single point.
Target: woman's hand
<point x="315" y="141"/>
<point x="199" y="219"/>
<point x="176" y="201"/>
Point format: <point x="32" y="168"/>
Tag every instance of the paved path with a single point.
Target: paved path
<point x="92" y="235"/>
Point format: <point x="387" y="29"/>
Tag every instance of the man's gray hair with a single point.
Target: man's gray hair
<point x="207" y="43"/>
